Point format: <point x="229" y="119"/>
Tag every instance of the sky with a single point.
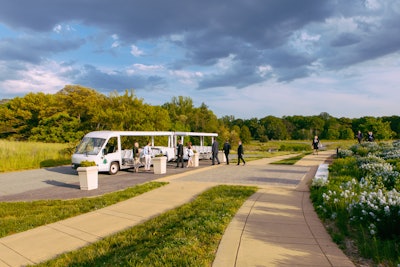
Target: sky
<point x="242" y="58"/>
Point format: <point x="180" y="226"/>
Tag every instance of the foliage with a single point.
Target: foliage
<point x="186" y="236"/>
<point x="32" y="155"/>
<point x="86" y="163"/>
<point x="362" y="198"/>
<point x="75" y="110"/>
<point x="21" y="216"/>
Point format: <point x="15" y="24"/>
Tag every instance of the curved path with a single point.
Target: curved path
<point x="277" y="226"/>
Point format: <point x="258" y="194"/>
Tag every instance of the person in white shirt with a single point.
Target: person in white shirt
<point x="190" y="156"/>
<point x="147" y="157"/>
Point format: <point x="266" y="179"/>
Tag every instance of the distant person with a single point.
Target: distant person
<point x="240" y="153"/>
<point x="179" y="154"/>
<point x="190" y="155"/>
<point x="136" y="157"/>
<point x="359" y="137"/>
<point x="226" y="149"/>
<point x="214" y="151"/>
<point x="147" y="156"/>
<point x="315" y="144"/>
<point x="370" y="137"/>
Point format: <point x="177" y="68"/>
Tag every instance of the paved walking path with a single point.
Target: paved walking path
<point x="277" y="226"/>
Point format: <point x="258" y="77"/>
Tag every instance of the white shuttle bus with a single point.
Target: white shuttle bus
<point x="113" y="150"/>
<point x="200" y="147"/>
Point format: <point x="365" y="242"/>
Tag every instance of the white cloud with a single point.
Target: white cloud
<point x="135" y="51"/>
<point x="373" y="4"/>
<point x="264" y="70"/>
<point x="45" y="78"/>
<point x="226" y="63"/>
<point x="186" y="77"/>
<point x="304" y="42"/>
<point x="57" y="28"/>
<point x="143" y="67"/>
<point x="116" y="41"/>
<point x="62" y="28"/>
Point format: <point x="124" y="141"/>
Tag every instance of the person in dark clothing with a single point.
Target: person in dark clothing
<point x="370" y="137"/>
<point x="240" y="153"/>
<point x="226" y="149"/>
<point x="359" y="137"/>
<point x="179" y="154"/>
<point x="214" y="150"/>
<point x="315" y="145"/>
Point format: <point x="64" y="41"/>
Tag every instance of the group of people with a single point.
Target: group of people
<point x="316" y="143"/>
<point x="179" y="154"/>
<point x="226" y="149"/>
<point x="179" y="161"/>
<point x="370" y="137"/>
<point x="136" y="157"/>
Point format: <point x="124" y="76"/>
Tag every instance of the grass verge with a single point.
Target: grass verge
<point x="186" y="236"/>
<point x="21" y="216"/>
<point x="291" y="160"/>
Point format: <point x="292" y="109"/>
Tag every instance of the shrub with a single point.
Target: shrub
<point x="344" y="153"/>
<point x="87" y="163"/>
<point x="362" y="198"/>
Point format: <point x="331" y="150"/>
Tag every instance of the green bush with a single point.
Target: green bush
<point x="87" y="163"/>
<point x="361" y="200"/>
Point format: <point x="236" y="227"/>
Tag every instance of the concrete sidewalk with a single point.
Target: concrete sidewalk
<point x="48" y="241"/>
<point x="277" y="226"/>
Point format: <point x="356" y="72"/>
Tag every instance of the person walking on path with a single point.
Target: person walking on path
<point x="226" y="149"/>
<point x="179" y="154"/>
<point x="190" y="155"/>
<point x="214" y="150"/>
<point x="136" y="157"/>
<point x="240" y="153"/>
<point x="147" y="156"/>
<point x="315" y="144"/>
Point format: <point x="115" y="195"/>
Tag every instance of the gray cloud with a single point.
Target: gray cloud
<point x="33" y="49"/>
<point x="255" y="32"/>
<point x="106" y="82"/>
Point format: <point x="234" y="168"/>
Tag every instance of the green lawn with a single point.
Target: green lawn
<point x="186" y="236"/>
<point x="21" y="216"/>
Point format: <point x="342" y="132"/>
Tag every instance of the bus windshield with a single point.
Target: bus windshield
<point x="90" y="146"/>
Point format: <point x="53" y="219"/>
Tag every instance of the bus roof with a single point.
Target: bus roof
<point x="195" y="134"/>
<point x="107" y="134"/>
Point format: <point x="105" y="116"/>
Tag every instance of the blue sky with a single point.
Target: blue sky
<point x="248" y="59"/>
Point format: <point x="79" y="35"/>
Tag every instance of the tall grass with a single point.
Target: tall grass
<point x="32" y="155"/>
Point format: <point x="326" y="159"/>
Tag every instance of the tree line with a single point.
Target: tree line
<point x="75" y="110"/>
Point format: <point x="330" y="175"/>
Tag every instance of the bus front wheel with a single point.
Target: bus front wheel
<point x="114" y="168"/>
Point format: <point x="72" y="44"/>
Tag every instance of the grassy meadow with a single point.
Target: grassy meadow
<point x="16" y="156"/>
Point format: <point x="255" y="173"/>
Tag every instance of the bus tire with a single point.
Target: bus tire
<point x="114" y="168"/>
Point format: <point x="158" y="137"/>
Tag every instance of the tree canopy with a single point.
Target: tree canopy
<point x="75" y="110"/>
